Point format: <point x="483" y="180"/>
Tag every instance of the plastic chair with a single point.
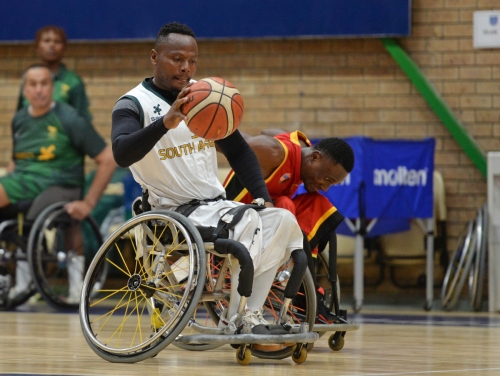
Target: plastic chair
<point x="408" y="248"/>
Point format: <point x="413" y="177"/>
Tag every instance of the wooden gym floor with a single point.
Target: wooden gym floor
<point x="399" y="339"/>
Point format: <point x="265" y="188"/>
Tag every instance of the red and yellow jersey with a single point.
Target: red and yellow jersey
<point x="284" y="181"/>
<point x="315" y="214"/>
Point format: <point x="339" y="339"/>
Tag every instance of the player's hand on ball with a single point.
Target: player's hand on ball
<point x="174" y="115"/>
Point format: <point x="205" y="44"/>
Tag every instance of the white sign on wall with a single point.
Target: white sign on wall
<point x="487" y="29"/>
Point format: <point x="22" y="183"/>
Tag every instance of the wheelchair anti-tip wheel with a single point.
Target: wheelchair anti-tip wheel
<point x="59" y="250"/>
<point x="155" y="280"/>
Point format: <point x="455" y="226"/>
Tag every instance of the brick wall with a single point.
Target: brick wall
<point x="330" y="87"/>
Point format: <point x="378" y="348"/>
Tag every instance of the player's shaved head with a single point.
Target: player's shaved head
<point x="172" y="28"/>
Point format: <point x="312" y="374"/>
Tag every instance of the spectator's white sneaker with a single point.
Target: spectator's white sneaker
<point x="23" y="280"/>
<point x="76" y="266"/>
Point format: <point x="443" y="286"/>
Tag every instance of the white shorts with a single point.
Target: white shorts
<point x="270" y="234"/>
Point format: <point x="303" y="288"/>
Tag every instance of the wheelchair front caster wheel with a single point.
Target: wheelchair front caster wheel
<point x="336" y="344"/>
<point x="243" y="355"/>
<point x="299" y="354"/>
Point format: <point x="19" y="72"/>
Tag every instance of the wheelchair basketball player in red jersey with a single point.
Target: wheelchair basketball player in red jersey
<point x="286" y="161"/>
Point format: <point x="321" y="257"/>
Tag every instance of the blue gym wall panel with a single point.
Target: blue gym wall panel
<point x="132" y="19"/>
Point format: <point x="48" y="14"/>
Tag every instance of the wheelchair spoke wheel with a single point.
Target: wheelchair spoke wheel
<point x="59" y="252"/>
<point x="156" y="271"/>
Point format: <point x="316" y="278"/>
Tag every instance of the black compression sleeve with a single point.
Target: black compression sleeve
<point x="131" y="142"/>
<point x="243" y="161"/>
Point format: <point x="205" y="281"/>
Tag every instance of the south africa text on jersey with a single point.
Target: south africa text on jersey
<point x="179" y="151"/>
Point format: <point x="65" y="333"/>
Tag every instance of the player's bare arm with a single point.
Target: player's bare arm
<point x="273" y="131"/>
<point x="269" y="152"/>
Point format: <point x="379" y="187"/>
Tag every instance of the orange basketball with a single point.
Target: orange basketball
<point x="214" y="109"/>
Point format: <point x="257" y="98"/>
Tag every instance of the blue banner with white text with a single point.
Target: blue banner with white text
<point x="398" y="178"/>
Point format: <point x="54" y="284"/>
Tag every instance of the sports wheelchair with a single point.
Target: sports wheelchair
<point x="165" y="283"/>
<point x="42" y="246"/>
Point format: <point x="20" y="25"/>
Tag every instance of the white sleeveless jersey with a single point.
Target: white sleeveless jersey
<point x="181" y="166"/>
